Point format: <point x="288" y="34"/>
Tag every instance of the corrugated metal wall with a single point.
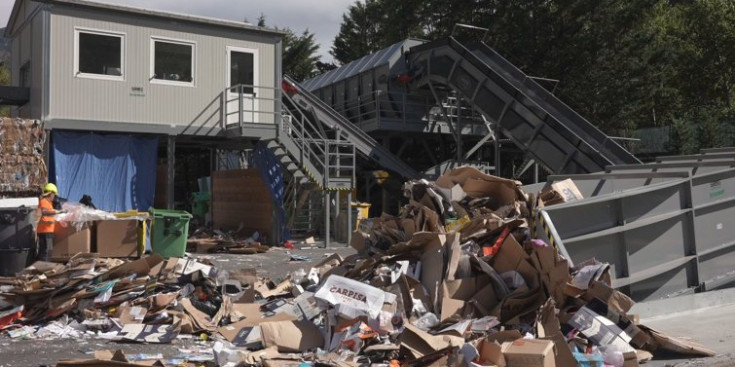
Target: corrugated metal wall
<point x="85" y="99"/>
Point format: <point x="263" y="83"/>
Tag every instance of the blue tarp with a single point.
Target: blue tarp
<point x="117" y="171"/>
<point x="270" y="169"/>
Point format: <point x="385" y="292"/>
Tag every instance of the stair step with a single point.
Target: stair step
<point x="291" y="167"/>
<point x="286" y="159"/>
<point x="279" y="152"/>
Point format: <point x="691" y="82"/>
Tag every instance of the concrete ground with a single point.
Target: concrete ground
<point x="706" y="318"/>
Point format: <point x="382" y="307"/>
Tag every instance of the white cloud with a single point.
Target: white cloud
<point x="320" y="17"/>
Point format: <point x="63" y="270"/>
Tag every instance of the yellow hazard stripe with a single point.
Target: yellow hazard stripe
<point x="547" y="230"/>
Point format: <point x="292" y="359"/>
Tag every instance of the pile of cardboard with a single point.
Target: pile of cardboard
<point x="147" y="300"/>
<point x="23" y="171"/>
<point x="205" y="240"/>
<point x="455" y="280"/>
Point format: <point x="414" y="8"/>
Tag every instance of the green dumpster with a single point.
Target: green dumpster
<point x="200" y="205"/>
<point x="169" y="232"/>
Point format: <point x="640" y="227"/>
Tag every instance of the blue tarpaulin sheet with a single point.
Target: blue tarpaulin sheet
<point x="117" y="171"/>
<point x="270" y="169"/>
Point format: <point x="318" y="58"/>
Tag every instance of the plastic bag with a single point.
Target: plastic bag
<point x="77" y="215"/>
<point x="427" y="321"/>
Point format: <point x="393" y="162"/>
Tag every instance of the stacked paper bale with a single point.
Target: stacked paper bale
<point x="23" y="170"/>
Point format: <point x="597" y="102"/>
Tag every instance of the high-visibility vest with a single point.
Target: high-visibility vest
<point x="47" y="222"/>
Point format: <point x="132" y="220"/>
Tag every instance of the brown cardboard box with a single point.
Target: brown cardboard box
<point x="117" y="238"/>
<point x="68" y="241"/>
<point x="529" y="353"/>
<point x="561" y="192"/>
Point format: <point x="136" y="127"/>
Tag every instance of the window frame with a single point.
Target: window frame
<point x="121" y="35"/>
<point x="152" y="61"/>
<point x="228" y="66"/>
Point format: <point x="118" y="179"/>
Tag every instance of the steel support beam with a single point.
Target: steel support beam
<point x="170" y="170"/>
<point x="327" y="217"/>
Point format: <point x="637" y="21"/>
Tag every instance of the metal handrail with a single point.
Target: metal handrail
<point x="319" y="149"/>
<point x="241" y="97"/>
<point x="366" y="106"/>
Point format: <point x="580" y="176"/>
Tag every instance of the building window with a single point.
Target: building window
<point x="99" y="54"/>
<point x="242" y="71"/>
<point x="25" y="75"/>
<point x="173" y="62"/>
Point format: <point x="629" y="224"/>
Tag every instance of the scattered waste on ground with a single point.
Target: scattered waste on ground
<point x="456" y="279"/>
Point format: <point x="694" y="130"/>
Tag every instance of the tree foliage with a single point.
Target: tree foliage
<point x="300" y="59"/>
<point x="622" y="64"/>
<point x="359" y="33"/>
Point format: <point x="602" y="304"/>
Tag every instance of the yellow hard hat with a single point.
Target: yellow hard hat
<point x="50" y="188"/>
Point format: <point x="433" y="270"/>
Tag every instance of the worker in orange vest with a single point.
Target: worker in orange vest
<point x="47" y="223"/>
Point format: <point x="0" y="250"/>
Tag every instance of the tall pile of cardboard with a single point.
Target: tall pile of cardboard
<point x="23" y="171"/>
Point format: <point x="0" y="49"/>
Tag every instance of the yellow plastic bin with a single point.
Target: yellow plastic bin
<point x="363" y="212"/>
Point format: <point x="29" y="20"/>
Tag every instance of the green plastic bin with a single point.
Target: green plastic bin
<point x="200" y="205"/>
<point x="169" y="232"/>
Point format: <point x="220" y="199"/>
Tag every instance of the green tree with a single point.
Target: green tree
<point x="359" y="33"/>
<point x="300" y="60"/>
<point x="323" y="67"/>
<point x="299" y="55"/>
<point x="401" y="20"/>
<point x="684" y="138"/>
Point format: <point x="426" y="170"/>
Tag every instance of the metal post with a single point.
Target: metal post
<point x="327" y="216"/>
<point x="212" y="161"/>
<point x="223" y="109"/>
<point x="535" y="172"/>
<point x="170" y="170"/>
<point x="349" y="217"/>
<point x="403" y="109"/>
<point x="239" y="103"/>
<point x="497" y="157"/>
<point x="377" y="106"/>
<point x="459" y="130"/>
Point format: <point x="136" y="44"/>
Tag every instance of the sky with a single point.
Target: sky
<point x="320" y="17"/>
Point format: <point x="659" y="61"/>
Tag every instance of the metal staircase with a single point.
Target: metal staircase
<point x="317" y="159"/>
<point x="298" y="98"/>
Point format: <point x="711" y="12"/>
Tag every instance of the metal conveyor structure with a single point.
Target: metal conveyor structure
<point x="533" y="118"/>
